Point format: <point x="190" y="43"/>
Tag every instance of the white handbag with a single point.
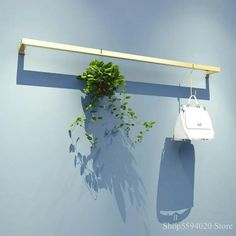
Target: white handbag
<point x="193" y="123"/>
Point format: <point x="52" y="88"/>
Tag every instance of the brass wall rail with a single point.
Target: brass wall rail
<point x="100" y="52"/>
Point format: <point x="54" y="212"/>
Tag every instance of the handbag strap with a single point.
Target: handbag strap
<point x="195" y="100"/>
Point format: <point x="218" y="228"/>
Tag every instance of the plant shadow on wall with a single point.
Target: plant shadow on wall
<point x="176" y="181"/>
<point x="111" y="128"/>
<point x="109" y="165"/>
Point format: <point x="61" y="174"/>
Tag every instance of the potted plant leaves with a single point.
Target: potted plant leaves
<point x="104" y="87"/>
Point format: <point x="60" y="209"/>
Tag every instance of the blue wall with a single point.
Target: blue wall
<point x="41" y="191"/>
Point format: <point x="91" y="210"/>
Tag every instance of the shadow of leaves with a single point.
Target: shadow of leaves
<point x="109" y="165"/>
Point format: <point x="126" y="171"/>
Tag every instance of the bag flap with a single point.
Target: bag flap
<point x="196" y="118"/>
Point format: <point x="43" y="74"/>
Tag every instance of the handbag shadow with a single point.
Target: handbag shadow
<point x="175" y="192"/>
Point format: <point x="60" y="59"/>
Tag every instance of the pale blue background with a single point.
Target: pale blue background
<point x="41" y="193"/>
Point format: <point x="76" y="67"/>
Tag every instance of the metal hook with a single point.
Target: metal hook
<point x="191" y="81"/>
<point x="100" y="55"/>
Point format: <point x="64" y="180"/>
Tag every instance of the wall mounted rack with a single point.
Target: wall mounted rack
<point x="100" y="52"/>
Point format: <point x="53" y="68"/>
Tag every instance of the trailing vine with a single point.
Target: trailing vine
<point x="104" y="86"/>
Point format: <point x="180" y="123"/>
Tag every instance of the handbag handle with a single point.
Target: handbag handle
<point x="195" y="99"/>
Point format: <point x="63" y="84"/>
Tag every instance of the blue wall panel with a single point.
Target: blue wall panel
<point x="159" y="181"/>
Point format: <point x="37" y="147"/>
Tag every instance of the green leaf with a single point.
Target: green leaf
<point x="89" y="137"/>
<point x="88" y="107"/>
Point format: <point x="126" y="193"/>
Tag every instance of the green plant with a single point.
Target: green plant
<point x="104" y="80"/>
